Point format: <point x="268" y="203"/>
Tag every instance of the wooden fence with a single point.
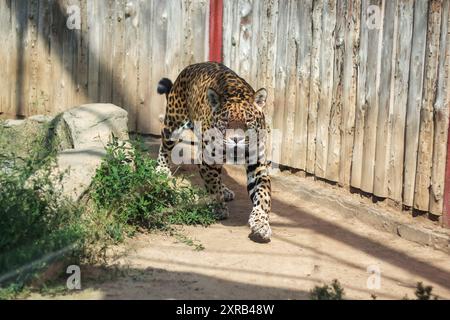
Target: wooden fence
<point x="359" y="88"/>
<point x="118" y="55"/>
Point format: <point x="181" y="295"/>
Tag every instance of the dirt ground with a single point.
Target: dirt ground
<point x="310" y="246"/>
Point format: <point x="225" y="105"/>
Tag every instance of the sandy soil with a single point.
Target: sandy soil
<point x="310" y="246"/>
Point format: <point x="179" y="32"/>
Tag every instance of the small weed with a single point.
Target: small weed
<point x="189" y="242"/>
<point x="423" y="293"/>
<point x="328" y="292"/>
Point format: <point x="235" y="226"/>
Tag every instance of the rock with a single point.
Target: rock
<point x="91" y="125"/>
<point x="79" y="166"/>
<point x="13" y="123"/>
<point x="89" y="129"/>
<point x="40" y="119"/>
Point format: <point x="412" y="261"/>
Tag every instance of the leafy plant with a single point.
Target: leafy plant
<point x="327" y="292"/>
<point x="423" y="292"/>
<point x="128" y="187"/>
<point x="35" y="219"/>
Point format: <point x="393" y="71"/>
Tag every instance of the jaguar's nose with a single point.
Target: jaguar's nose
<point x="238" y="139"/>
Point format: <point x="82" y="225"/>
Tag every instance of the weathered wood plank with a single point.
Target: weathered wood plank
<point x="414" y="100"/>
<point x="118" y="53"/>
<point x="93" y="8"/>
<point x="106" y="52"/>
<point x="314" y="88"/>
<point x="383" y="132"/>
<point x="326" y="86"/>
<point x="44" y="66"/>
<point x="401" y="59"/>
<point x="244" y="50"/>
<point x="335" y="125"/>
<point x="82" y="58"/>
<point x="441" y="117"/>
<point x="371" y="114"/>
<point x="152" y="47"/>
<point x="131" y="64"/>
<point x="292" y="38"/>
<point x="303" y="64"/>
<point x="361" y="102"/>
<point x="426" y="134"/>
<point x="270" y="33"/>
<point x="281" y="72"/>
<point x="5" y="51"/>
<point x="350" y="81"/>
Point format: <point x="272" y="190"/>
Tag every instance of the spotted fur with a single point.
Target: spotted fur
<point x="219" y="98"/>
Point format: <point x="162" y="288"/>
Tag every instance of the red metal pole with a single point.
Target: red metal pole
<point x="446" y="213"/>
<point x="215" y="30"/>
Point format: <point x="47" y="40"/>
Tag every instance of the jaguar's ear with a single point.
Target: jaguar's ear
<point x="260" y="98"/>
<point x="213" y="99"/>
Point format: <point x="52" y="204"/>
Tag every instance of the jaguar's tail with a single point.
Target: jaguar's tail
<point x="164" y="86"/>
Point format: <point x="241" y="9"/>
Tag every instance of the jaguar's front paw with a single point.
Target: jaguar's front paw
<point x="221" y="211"/>
<point x="259" y="225"/>
<point x="228" y="195"/>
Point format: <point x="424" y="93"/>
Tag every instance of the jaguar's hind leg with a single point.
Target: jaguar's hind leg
<point x="175" y="121"/>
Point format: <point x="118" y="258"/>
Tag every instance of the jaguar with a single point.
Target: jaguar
<point x="215" y="97"/>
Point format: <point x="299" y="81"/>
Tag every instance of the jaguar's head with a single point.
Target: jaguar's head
<point x="238" y="117"/>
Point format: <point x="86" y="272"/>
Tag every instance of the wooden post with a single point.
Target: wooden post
<point x="446" y="213"/>
<point x="215" y="30"/>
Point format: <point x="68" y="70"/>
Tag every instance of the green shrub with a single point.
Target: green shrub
<point x="423" y="293"/>
<point x="127" y="194"/>
<point x="328" y="292"/>
<point x="128" y="186"/>
<point x="35" y="219"/>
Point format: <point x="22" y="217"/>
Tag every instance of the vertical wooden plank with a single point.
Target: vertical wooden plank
<point x="82" y="67"/>
<point x="361" y="102"/>
<point x="118" y="53"/>
<point x="388" y="45"/>
<point x="174" y="51"/>
<point x="227" y="31"/>
<point x="371" y="114"/>
<point x="292" y="36"/>
<point x="426" y="134"/>
<point x="303" y="70"/>
<point x="69" y="59"/>
<point x="255" y="45"/>
<point x="154" y="104"/>
<point x="94" y="24"/>
<point x="200" y="20"/>
<point x="314" y="95"/>
<point x="106" y="51"/>
<point x="20" y="26"/>
<point x="335" y="125"/>
<point x="268" y="56"/>
<point x="5" y="49"/>
<point x="402" y="61"/>
<point x="414" y="100"/>
<point x="59" y="28"/>
<point x="281" y="73"/>
<point x="244" y="49"/>
<point x="446" y="200"/>
<point x="326" y="86"/>
<point x="29" y="96"/>
<point x="350" y="81"/>
<point x="44" y="66"/>
<point x="152" y="46"/>
<point x="131" y="63"/>
<point x="441" y="117"/>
